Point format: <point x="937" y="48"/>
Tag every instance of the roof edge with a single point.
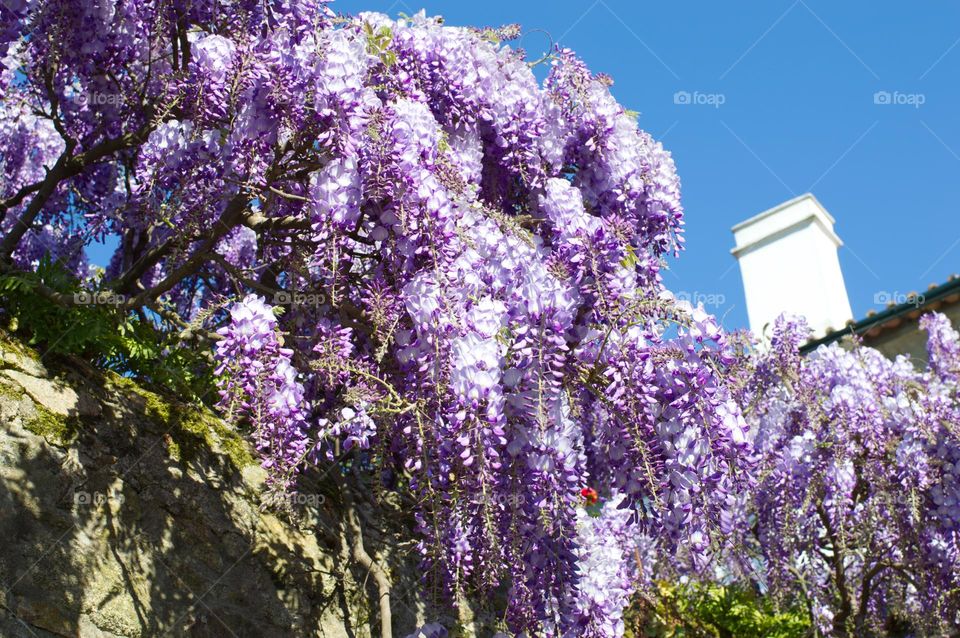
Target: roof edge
<point x="951" y="286"/>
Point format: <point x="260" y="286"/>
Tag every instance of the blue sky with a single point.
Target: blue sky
<point x="797" y="80"/>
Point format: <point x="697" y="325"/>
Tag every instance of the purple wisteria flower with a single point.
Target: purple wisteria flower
<point x="857" y="511"/>
<point x="418" y="261"/>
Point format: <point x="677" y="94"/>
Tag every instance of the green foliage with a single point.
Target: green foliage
<point x="65" y="330"/>
<point x="93" y="325"/>
<point x="630" y="259"/>
<point x="712" y="611"/>
<point x="378" y="43"/>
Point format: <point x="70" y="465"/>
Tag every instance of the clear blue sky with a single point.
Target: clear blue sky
<point x="797" y="78"/>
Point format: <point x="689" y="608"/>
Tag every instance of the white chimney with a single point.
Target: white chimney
<point x="788" y="260"/>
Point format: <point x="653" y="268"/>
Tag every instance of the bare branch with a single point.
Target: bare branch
<point x="359" y="553"/>
<point x="230" y="218"/>
<point x="260" y="222"/>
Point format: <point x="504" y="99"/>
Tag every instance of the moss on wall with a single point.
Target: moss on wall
<point x="56" y="429"/>
<point x="190" y="427"/>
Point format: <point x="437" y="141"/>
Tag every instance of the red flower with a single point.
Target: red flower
<point x="589" y="495"/>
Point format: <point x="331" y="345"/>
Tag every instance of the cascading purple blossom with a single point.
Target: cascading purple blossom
<point x="608" y="548"/>
<point x="443" y="275"/>
<point x="467" y="261"/>
<point x="856" y="513"/>
<point x="259" y="383"/>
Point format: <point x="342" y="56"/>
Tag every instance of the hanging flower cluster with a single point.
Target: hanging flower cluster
<point x="467" y="262"/>
<point x="858" y="510"/>
<point x="608" y="542"/>
<point x="260" y="383"/>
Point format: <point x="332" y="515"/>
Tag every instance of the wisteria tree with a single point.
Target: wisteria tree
<point x="857" y="507"/>
<point x="415" y="263"/>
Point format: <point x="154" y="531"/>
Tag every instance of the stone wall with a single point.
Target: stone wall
<point x="123" y="513"/>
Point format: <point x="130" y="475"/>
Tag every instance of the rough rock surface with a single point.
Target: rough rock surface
<point x="124" y="514"/>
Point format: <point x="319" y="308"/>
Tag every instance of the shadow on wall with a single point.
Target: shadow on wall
<point x="122" y="514"/>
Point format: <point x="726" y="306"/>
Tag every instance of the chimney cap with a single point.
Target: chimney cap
<point x="779" y="207"/>
<point x="770" y="224"/>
